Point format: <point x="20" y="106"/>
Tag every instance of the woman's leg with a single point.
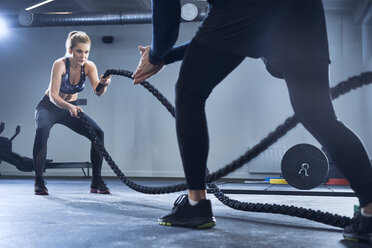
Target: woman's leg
<point x="44" y="120"/>
<point x="309" y="93"/>
<point x="77" y="126"/>
<point x="202" y="69"/>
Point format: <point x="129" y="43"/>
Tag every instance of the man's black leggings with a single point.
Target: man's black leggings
<point x="204" y="67"/>
<point x="47" y="114"/>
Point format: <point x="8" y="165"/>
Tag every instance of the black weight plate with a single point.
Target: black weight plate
<point x="304" y="166"/>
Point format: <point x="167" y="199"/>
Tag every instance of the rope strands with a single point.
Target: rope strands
<point x="120" y="174"/>
<point x="310" y="214"/>
<point x="323" y="217"/>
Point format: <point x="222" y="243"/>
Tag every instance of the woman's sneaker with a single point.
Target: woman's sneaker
<point x="99" y="186"/>
<point x="360" y="230"/>
<point x="40" y="188"/>
<point x="183" y="214"/>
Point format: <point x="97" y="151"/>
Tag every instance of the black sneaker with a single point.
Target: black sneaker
<point x="99" y="186"/>
<point x="183" y="214"/>
<point x="360" y="230"/>
<point x="40" y="188"/>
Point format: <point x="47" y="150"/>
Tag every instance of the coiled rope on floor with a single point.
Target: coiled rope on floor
<point x="271" y="138"/>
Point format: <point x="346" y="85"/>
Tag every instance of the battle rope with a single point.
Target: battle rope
<point x="281" y="130"/>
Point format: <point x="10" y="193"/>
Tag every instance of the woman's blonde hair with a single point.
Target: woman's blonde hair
<point x="74" y="38"/>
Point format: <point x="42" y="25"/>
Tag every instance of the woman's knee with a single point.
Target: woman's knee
<point x="41" y="138"/>
<point x="42" y="132"/>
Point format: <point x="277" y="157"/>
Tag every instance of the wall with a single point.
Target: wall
<point x="139" y="132"/>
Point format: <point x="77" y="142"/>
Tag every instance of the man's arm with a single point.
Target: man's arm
<point x="175" y="54"/>
<point x="166" y="18"/>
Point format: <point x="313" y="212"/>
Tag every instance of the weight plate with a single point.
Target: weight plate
<point x="304" y="166"/>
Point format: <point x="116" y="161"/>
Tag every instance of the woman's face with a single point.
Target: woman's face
<point x="80" y="53"/>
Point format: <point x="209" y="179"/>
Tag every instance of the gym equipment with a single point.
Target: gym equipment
<point x="304" y="166"/>
<point x="6" y="154"/>
<point x="23" y="163"/>
<point x="26" y="164"/>
<point x="278" y="181"/>
<point x="2" y="126"/>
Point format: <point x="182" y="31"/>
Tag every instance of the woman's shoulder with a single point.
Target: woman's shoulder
<point x="89" y="64"/>
<point x="90" y="67"/>
<point x="60" y="61"/>
<point x="59" y="65"/>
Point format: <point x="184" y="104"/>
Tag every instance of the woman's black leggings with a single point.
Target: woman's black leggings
<point x="204" y="67"/>
<point x="45" y="118"/>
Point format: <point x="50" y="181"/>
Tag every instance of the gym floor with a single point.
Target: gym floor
<point x="72" y="217"/>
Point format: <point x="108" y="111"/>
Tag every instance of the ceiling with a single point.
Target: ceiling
<point x="97" y="12"/>
<point x="13" y="7"/>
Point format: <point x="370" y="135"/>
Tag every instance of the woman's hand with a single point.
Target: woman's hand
<point x="105" y="81"/>
<point x="145" y="69"/>
<point x="74" y="110"/>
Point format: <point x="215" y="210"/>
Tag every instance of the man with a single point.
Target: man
<point x="291" y="38"/>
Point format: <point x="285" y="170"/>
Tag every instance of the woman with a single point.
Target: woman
<point x="59" y="106"/>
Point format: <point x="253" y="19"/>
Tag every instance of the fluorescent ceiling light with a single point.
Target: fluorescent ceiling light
<point x="58" y="13"/>
<point x="39" y="4"/>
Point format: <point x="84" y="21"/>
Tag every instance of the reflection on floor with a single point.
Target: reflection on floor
<point x="72" y="217"/>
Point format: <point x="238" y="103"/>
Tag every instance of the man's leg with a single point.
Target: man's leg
<point x="202" y="69"/>
<point x="308" y="87"/>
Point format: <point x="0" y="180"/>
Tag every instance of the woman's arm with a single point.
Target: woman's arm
<point x="94" y="80"/>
